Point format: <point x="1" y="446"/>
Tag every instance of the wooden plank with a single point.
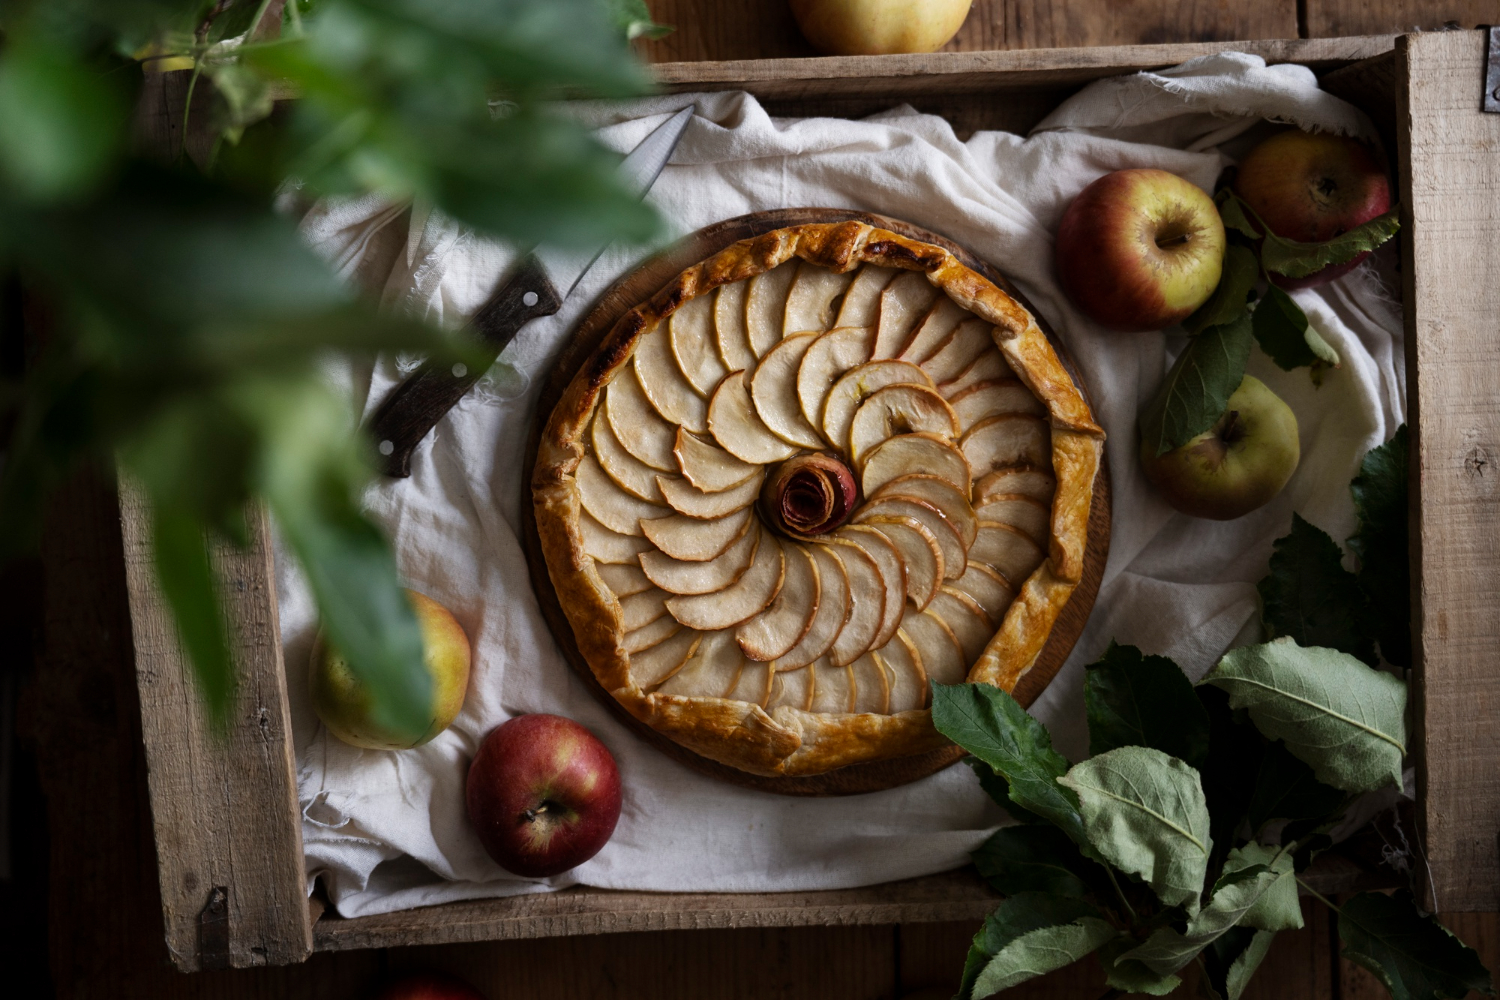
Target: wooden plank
<point x="224" y="806"/>
<point x="1330" y="18"/>
<point x="1450" y="176"/>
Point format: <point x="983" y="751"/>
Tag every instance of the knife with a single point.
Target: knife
<point x="536" y="286"/>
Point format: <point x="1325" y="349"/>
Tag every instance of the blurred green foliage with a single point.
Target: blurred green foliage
<point x="175" y="321"/>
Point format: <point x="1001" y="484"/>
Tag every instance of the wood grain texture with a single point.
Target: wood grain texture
<point x="224" y="806"/>
<point x="1329" y="18"/>
<point x="1450" y="176"/>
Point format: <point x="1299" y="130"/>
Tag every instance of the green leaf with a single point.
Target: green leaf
<point x="187" y="581"/>
<point x="634" y="18"/>
<point x="1135" y="700"/>
<point x="1198" y="386"/>
<point x="993" y="726"/>
<point x="1333" y="712"/>
<point x="1311" y="597"/>
<point x="1144" y="812"/>
<point x="1295" y="259"/>
<point x="1229" y="773"/>
<point x="62" y="122"/>
<point x="1130" y="976"/>
<point x="1227" y="303"/>
<point x="1416" y="957"/>
<point x="998" y="789"/>
<point x="1381" y="543"/>
<point x="1287" y="789"/>
<point x="1281" y="329"/>
<point x="1230" y="961"/>
<point x="1019" y="859"/>
<point x="1028" y="935"/>
<point x="1278" y="908"/>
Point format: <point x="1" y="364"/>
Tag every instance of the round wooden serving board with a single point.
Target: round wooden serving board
<point x="639" y="285"/>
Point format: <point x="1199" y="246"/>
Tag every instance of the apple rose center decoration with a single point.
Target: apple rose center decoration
<point x="818" y="470"/>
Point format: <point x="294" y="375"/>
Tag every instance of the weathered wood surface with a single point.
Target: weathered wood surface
<point x="1450" y="187"/>
<point x="1328" y="18"/>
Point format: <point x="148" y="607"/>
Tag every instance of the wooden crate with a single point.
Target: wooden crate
<point x="227" y="826"/>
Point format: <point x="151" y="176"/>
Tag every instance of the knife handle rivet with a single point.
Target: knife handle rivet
<point x="460" y="370"/>
<point x="386" y="447"/>
<point x="530" y="298"/>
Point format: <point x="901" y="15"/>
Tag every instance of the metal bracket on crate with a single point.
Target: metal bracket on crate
<point x="1491" y="102"/>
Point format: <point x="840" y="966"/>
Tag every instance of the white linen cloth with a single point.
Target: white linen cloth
<point x="387" y="830"/>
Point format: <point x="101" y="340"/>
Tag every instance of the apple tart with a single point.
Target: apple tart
<point x="818" y="470"/>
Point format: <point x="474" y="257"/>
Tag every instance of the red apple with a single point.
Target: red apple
<point x="429" y="986"/>
<point x="1311" y="187"/>
<point x="543" y="794"/>
<point x="1140" y="249"/>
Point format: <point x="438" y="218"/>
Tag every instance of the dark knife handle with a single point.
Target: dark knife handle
<point x="414" y="407"/>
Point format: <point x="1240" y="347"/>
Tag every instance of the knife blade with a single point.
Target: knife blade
<point x="536" y="286"/>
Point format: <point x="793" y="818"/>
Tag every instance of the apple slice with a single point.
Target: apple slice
<point x="665" y="386"/>
<point x="1009" y="439"/>
<point x="955" y="556"/>
<point x="906" y="681"/>
<point x="964" y="345"/>
<point x="684" y="576"/>
<point x="833" y="689"/>
<point x="813" y="298"/>
<point x="708" y="467"/>
<point x="991" y="399"/>
<point x="830" y="356"/>
<point x="861" y="306"/>
<point x="1031" y="516"/>
<point x="637" y="426"/>
<point x="647" y="636"/>
<point x="782" y="625"/>
<point x="854" y="387"/>
<point x="730" y="332"/>
<point x="991" y="591"/>
<point x="607" y="546"/>
<point x="640" y="610"/>
<point x="965" y="619"/>
<point x="903" y="303"/>
<point x="832" y="613"/>
<point x="920" y="553"/>
<point x="753" y="683"/>
<point x="872" y="688"/>
<point x="774" y="390"/>
<point x="791" y="689"/>
<point x="738" y="428"/>
<point x="610" y="505"/>
<point x="866" y="603"/>
<point x="892" y="569"/>
<point x="629" y="473"/>
<point x="694" y="345"/>
<point x="693" y="539"/>
<point x="988" y="367"/>
<point x="684" y="498"/>
<point x="1010" y="550"/>
<point x="765" y="306"/>
<point x="709" y="672"/>
<point x="899" y="409"/>
<point x="649" y="667"/>
<point x="939" y="493"/>
<point x="942" y="657"/>
<point x="1027" y="480"/>
<point x="623" y="579"/>
<point x="908" y="453"/>
<point x="939" y="323"/>
<point x="747" y="597"/>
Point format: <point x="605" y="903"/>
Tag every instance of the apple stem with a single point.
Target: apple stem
<point x="532" y="815"/>
<point x="1230" y="432"/>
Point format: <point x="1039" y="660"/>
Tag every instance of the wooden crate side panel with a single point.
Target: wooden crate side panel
<point x="1450" y="153"/>
<point x="223" y="805"/>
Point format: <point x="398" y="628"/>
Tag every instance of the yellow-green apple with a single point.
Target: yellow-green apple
<point x="1235" y="466"/>
<point x="1312" y="187"/>
<point x="1140" y="249"/>
<point x="543" y="794"/>
<point x="429" y="986"/>
<point x="878" y="27"/>
<point x="344" y="702"/>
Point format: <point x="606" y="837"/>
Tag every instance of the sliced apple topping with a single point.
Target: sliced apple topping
<point x="903" y="303"/>
<point x="955" y="556"/>
<point x="808" y="495"/>
<point x="710" y="672"/>
<point x="685" y="576"/>
<point x="791" y="689"/>
<point x="748" y="596"/>
<point x="610" y="505"/>
<point x="942" y="657"/>
<point x="649" y="635"/>
<point x="988" y="367"/>
<point x="665" y="386"/>
<point x="765" y="306"/>
<point x="832" y="612"/>
<point x="908" y="453"/>
<point x="965" y="619"/>
<point x="991" y="399"/>
<point x="861" y="306"/>
<point x="1009" y="439"/>
<point x="753" y="682"/>
<point x="685" y="498"/>
<point x="866" y="603"/>
<point x="694" y="345"/>
<point x="730" y="333"/>
<point x="707" y="466"/>
<point x="623" y="579"/>
<point x="693" y="539"/>
<point x="968" y="341"/>
<point x="872" y="688"/>
<point x="1010" y="550"/>
<point x="640" y="610"/>
<point x="903" y="668"/>
<point x="941" y="320"/>
<point x="786" y="620"/>
<point x="637" y="426"/>
<point x="833" y="688"/>
<point x="854" y="387"/>
<point x="813" y="299"/>
<point x="892" y="573"/>
<point x="920" y="552"/>
<point x="899" y="409"/>
<point x="830" y="356"/>
<point x="649" y="667"/>
<point x="1027" y="480"/>
<point x="608" y="546"/>
<point x="939" y="493"/>
<point x="991" y="591"/>
<point x="774" y="390"/>
<point x="1031" y="516"/>
<point x="629" y="473"/>
<point x="738" y="429"/>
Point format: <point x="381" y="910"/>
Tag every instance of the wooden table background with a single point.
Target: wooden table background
<point x="80" y="910"/>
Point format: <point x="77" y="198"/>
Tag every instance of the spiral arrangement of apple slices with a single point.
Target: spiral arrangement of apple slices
<point x="719" y="471"/>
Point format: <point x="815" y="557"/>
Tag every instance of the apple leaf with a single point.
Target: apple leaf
<point x="1295" y="259"/>
<point x="1020" y="859"/>
<point x="1380" y="499"/>
<point x="1282" y="330"/>
<point x="1333" y="712"/>
<point x="1286" y="788"/>
<point x="1230" y="961"/>
<point x="998" y="789"/>
<point x="1310" y="596"/>
<point x="1236" y="281"/>
<point x="1135" y="700"/>
<point x="633" y="17"/>
<point x="1030" y="934"/>
<point x="1416" y="957"/>
<point x="1129" y="976"/>
<point x="1197" y="389"/>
